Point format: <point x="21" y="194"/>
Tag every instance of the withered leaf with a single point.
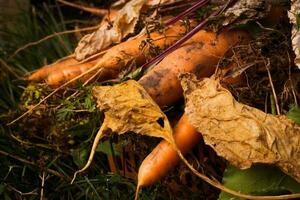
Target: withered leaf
<point x="244" y="10"/>
<point x="241" y="134"/>
<point x="128" y="107"/>
<point x="123" y="25"/>
<point x="294" y="16"/>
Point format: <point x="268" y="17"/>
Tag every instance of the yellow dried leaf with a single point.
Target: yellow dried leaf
<point x="128" y="107"/>
<point x="123" y="25"/>
<point x="241" y="134"/>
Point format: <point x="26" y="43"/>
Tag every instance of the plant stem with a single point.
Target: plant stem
<point x="173" y="47"/>
<point x="197" y="5"/>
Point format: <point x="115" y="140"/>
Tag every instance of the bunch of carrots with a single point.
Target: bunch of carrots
<point x="198" y="52"/>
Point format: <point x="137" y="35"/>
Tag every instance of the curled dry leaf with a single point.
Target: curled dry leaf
<point x="128" y="107"/>
<point x="294" y="16"/>
<point x="245" y="10"/>
<point x="241" y="134"/>
<point x="123" y="25"/>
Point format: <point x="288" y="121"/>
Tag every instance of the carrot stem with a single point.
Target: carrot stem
<point x="197" y="5"/>
<point x="173" y="47"/>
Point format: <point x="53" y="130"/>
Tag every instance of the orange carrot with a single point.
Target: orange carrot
<point x="199" y="55"/>
<point x="42" y="73"/>
<point x="58" y="77"/>
<point x="115" y="58"/>
<point x="163" y="157"/>
<point x="159" y="162"/>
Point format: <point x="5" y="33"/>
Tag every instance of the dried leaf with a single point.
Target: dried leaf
<point x="123" y="25"/>
<point x="241" y="134"/>
<point x="128" y="107"/>
<point x="294" y="16"/>
<point x="161" y="2"/>
<point x="245" y="10"/>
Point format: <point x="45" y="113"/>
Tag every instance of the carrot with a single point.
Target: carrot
<point x="115" y="58"/>
<point x="58" y="77"/>
<point x="120" y="55"/>
<point x="199" y="55"/>
<point x="159" y="162"/>
<point x="163" y="157"/>
<point x="42" y="73"/>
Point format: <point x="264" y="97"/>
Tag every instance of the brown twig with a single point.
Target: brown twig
<point x="33" y="192"/>
<point x="22" y="142"/>
<point x="272" y="86"/>
<point x="92" y="77"/>
<point x="42" y="185"/>
<point x="290" y="79"/>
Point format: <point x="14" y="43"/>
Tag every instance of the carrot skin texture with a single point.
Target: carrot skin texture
<point x="113" y="60"/>
<point x="43" y="72"/>
<point x="58" y="77"/>
<point x="199" y="55"/>
<point x="118" y="56"/>
<point x="163" y="158"/>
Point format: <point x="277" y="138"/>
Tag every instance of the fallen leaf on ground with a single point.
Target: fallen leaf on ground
<point x="241" y="134"/>
<point x="123" y="25"/>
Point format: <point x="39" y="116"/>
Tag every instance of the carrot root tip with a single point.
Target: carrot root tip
<point x="137" y="192"/>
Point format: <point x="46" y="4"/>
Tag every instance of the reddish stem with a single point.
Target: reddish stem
<point x="197" y="5"/>
<point x="179" y="42"/>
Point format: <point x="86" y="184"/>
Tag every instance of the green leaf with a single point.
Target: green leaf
<point x="80" y="155"/>
<point x="294" y="114"/>
<point x="88" y="102"/>
<point x="105" y="147"/>
<point x="258" y="180"/>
